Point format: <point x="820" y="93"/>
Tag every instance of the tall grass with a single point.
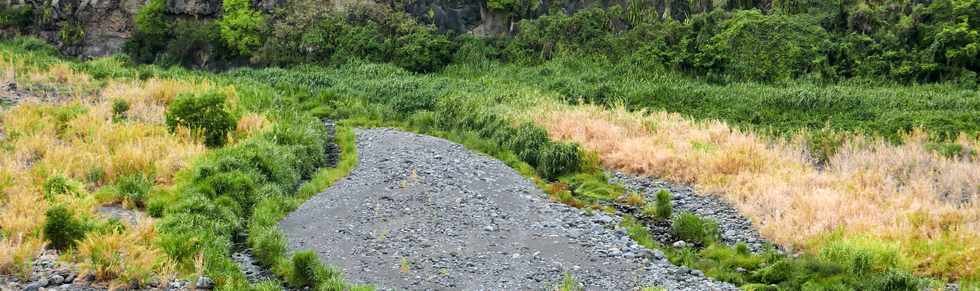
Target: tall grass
<point x="907" y="193"/>
<point x="77" y="142"/>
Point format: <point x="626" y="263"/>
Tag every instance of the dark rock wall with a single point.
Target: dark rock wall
<point x="91" y="28"/>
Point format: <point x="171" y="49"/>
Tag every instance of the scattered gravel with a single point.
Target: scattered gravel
<point x="423" y="213"/>
<point x="732" y="225"/>
<point x="116" y="211"/>
<point x="253" y="271"/>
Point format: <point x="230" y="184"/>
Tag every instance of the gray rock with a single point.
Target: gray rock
<point x="56" y="280"/>
<point x="204" y="283"/>
<point x="35" y="286"/>
<point x="602" y="218"/>
<point x="679" y="244"/>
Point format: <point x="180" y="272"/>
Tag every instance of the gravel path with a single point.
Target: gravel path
<point x="733" y="226"/>
<point x="423" y="213"/>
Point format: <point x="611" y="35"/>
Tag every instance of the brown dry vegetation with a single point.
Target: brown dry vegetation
<point x="78" y="137"/>
<point x="903" y="195"/>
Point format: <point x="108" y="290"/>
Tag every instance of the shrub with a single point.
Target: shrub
<point x="151" y="33"/>
<point x="693" y="229"/>
<point x="61" y="185"/>
<point x="119" y="109"/>
<point x="664" y="207"/>
<point x="304" y="268"/>
<point x="96" y="175"/>
<point x="895" y="281"/>
<point x="527" y="142"/>
<point x="194" y="43"/>
<point x="557" y="159"/>
<point x="18" y="18"/>
<point x="422" y="51"/>
<point x="203" y="114"/>
<point x="62" y="229"/>
<point x="134" y="189"/>
<point x="241" y="26"/>
<point x="793" y="46"/>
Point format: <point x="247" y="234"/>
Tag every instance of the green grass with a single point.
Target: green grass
<point x="867" y="266"/>
<point x="268" y="243"/>
<point x="883" y="110"/>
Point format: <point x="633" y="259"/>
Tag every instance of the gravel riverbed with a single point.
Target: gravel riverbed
<point x="732" y="225"/>
<point x="421" y="212"/>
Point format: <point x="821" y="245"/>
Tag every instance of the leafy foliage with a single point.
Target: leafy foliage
<point x="151" y="31"/>
<point x="204" y="114"/>
<point x="694" y="229"/>
<point x="119" y="109"/>
<point x="664" y="207"/>
<point x="62" y="229"/>
<point x="367" y="32"/>
<point x="241" y="26"/>
<point x="16" y="17"/>
<point x="134" y="188"/>
<point x="61" y="185"/>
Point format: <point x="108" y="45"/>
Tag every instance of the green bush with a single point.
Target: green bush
<point x="693" y="229"/>
<point x="664" y="206"/>
<point x="367" y="32"/>
<point x="151" y="32"/>
<point x="61" y="185"/>
<point x="194" y="43"/>
<point x="119" y="109"/>
<point x="203" y="114"/>
<point x="422" y="51"/>
<point x="96" y="175"/>
<point x="527" y="142"/>
<point x="767" y="47"/>
<point x="307" y="271"/>
<point x="61" y="229"/>
<point x="897" y="281"/>
<point x="241" y="26"/>
<point x="304" y="269"/>
<point x="18" y="18"/>
<point x="134" y="188"/>
<point x="557" y="159"/>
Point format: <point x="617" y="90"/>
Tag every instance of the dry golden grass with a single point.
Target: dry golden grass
<point x="905" y="194"/>
<point x="123" y="257"/>
<point x="78" y="137"/>
<point x="250" y="124"/>
<point x="16" y="254"/>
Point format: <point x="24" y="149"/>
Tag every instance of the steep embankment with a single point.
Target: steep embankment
<point x="424" y="213"/>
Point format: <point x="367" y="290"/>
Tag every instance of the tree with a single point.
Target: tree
<point x="241" y="26"/>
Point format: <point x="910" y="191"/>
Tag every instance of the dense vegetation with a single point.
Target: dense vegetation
<point x="829" y="68"/>
<point x="776" y="65"/>
<point x="903" y="41"/>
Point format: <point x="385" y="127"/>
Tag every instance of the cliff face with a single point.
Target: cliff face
<point x="91" y="28"/>
<point x="81" y="27"/>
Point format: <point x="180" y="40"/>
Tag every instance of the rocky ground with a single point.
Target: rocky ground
<point x="733" y="226"/>
<point x="423" y="213"/>
<point x="50" y="274"/>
